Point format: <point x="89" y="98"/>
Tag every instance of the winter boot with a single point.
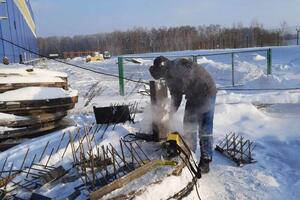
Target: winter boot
<point x="204" y="165"/>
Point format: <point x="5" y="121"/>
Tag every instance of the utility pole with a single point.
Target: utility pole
<point x="298" y="30"/>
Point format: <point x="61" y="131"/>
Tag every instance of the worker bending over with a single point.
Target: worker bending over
<point x="183" y="76"/>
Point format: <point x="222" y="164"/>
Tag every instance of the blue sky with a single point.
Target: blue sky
<point x="74" y="17"/>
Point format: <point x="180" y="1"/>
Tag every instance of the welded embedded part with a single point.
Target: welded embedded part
<point x="237" y="148"/>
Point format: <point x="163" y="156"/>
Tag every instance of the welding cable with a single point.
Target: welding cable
<point x="195" y="169"/>
<point x="194" y="178"/>
<point x="198" y="171"/>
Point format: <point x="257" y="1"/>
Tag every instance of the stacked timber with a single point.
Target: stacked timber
<point x="33" y="101"/>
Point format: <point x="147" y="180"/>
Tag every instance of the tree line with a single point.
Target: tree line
<point x="143" y="40"/>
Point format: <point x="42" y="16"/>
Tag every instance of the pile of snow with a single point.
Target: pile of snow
<point x="78" y="59"/>
<point x="271" y="81"/>
<point x="28" y="79"/>
<point x="26" y="71"/>
<point x="222" y="72"/>
<point x="204" y="61"/>
<point x="29" y="75"/>
<point x="37" y="93"/>
<point x="259" y="57"/>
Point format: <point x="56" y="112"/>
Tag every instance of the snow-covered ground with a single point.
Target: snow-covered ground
<point x="269" y="118"/>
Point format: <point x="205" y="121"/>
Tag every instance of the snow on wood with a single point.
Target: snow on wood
<point x="30" y="72"/>
<point x="9" y="117"/>
<point x="14" y="78"/>
<point x="37" y="93"/>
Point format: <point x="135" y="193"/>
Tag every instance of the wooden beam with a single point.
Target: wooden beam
<point x="34" y="110"/>
<point x="123" y="180"/>
<point x="29" y="131"/>
<point x="7" y="106"/>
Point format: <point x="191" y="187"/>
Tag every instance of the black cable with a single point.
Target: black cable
<point x="194" y="179"/>
<point x="73" y="65"/>
<point x="197" y="171"/>
<point x="196" y="186"/>
<point x="188" y="148"/>
<point x="196" y="175"/>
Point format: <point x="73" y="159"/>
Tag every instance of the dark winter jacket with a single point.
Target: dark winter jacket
<point x="186" y="77"/>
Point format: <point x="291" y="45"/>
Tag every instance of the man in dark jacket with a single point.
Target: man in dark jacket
<point x="186" y="77"/>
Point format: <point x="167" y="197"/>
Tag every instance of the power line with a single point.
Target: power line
<point x="257" y="89"/>
<point x="74" y="65"/>
<point x="139" y="81"/>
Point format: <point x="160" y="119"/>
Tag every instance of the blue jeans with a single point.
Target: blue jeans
<point x="199" y="117"/>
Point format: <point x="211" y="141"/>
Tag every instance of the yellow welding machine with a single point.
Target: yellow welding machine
<point x="174" y="136"/>
<point x="172" y="144"/>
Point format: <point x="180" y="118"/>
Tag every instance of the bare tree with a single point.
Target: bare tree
<point x="142" y="40"/>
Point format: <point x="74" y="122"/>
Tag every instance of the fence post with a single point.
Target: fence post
<point x="269" y="60"/>
<point x="195" y="59"/>
<point x="232" y="68"/>
<point x="121" y="75"/>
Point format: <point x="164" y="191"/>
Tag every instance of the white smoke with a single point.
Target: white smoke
<point x="161" y="114"/>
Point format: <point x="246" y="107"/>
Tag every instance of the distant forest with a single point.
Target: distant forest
<point x="143" y="40"/>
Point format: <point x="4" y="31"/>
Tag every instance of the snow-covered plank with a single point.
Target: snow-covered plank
<point x="4" y="87"/>
<point x="36" y="93"/>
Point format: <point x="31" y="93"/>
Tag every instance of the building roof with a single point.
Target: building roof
<point x="25" y="9"/>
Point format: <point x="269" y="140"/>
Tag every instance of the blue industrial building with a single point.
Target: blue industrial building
<point x="17" y="25"/>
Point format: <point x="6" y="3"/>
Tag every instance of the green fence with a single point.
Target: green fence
<point x="194" y="57"/>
